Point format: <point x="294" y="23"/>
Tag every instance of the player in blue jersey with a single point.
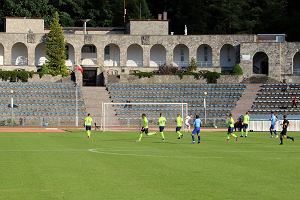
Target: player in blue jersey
<point x="273" y="125"/>
<point x="196" y="131"/>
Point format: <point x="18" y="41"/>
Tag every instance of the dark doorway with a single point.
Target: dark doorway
<point x="260" y="63"/>
<point x="89" y="77"/>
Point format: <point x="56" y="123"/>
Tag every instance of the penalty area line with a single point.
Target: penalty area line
<point x="150" y="155"/>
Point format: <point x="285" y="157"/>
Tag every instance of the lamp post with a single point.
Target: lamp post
<point x="76" y="104"/>
<point x="204" y="105"/>
<point x="12" y="106"/>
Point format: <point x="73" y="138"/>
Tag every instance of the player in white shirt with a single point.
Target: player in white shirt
<point x="187" y="124"/>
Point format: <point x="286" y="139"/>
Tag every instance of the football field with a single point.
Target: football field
<point x="112" y="165"/>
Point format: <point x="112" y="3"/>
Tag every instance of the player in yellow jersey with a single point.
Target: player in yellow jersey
<point x="179" y="122"/>
<point x="230" y="128"/>
<point x="162" y="123"/>
<point x="246" y="120"/>
<point x="145" y="128"/>
<point x="88" y="120"/>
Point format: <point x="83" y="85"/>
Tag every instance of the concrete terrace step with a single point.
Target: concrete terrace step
<point x="93" y="98"/>
<point x="246" y="101"/>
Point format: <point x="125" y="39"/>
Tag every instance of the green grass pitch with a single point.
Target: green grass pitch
<point x="113" y="166"/>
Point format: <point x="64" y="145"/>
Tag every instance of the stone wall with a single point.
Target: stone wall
<point x="225" y="79"/>
<point x="23" y="25"/>
<point x="45" y="78"/>
<point x="161" y="79"/>
<point x="153" y="27"/>
<point x="274" y="52"/>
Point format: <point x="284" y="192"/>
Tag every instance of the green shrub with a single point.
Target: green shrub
<point x="237" y="70"/>
<point x="144" y="74"/>
<point x="192" y="66"/>
<point x="188" y="73"/>
<point x="211" y="77"/>
<point x="14" y="76"/>
<point x="167" y="70"/>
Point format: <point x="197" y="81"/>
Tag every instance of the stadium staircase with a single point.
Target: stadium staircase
<point x="93" y="98"/>
<point x="246" y="101"/>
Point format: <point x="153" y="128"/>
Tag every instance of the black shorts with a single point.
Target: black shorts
<point x="161" y="128"/>
<point x="144" y="130"/>
<point x="230" y="129"/>
<point x="88" y="128"/>
<point x="283" y="132"/>
<point x="245" y="126"/>
<point x="178" y="128"/>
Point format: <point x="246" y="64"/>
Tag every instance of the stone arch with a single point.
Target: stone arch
<point x="134" y="56"/>
<point x="296" y="63"/>
<point x="204" y="56"/>
<point x="1" y="54"/>
<point x="181" y="56"/>
<point x="70" y="55"/>
<point x="40" y="54"/>
<point x="88" y="55"/>
<point x="112" y="55"/>
<point x="158" y="55"/>
<point x="227" y="57"/>
<point x="260" y="63"/>
<point x="19" y="54"/>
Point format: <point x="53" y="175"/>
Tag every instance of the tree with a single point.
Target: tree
<point x="55" y="49"/>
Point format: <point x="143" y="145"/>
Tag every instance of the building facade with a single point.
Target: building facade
<point x="145" y="45"/>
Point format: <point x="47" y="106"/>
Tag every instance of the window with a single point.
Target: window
<point x="107" y="52"/>
<point x="228" y="54"/>
<point x="88" y="49"/>
<point x="205" y="54"/>
<point x="181" y="54"/>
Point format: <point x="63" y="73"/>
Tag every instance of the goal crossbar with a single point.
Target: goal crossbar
<point x="184" y="107"/>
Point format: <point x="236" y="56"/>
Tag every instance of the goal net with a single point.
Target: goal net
<point x="127" y="116"/>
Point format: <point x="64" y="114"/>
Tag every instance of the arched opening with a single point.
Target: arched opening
<point x="134" y="56"/>
<point x="204" y="56"/>
<point x="19" y="54"/>
<point x="296" y="64"/>
<point x="227" y="57"/>
<point x="1" y="54"/>
<point x="157" y="55"/>
<point x="40" y="55"/>
<point x="181" y="56"/>
<point x="112" y="55"/>
<point x="70" y="55"/>
<point x="260" y="63"/>
<point x="89" y="55"/>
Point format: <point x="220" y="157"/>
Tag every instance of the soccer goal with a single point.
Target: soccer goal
<point x="127" y="116"/>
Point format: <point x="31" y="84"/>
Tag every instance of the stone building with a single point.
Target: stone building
<point x="146" y="44"/>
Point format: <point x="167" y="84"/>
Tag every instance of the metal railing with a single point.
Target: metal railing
<point x="204" y="64"/>
<point x="134" y="63"/>
<point x="182" y="64"/>
<point x="157" y="63"/>
<point x="296" y="71"/>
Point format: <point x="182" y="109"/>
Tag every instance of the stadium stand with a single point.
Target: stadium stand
<point x="220" y="99"/>
<point x="52" y="104"/>
<point x="276" y="98"/>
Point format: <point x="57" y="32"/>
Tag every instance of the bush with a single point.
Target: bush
<point x="211" y="77"/>
<point x="144" y="74"/>
<point x="14" y="76"/>
<point x="192" y="66"/>
<point x="237" y="70"/>
<point x="188" y="73"/>
<point x="167" y="70"/>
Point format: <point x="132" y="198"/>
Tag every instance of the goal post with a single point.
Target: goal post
<point x="127" y="116"/>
